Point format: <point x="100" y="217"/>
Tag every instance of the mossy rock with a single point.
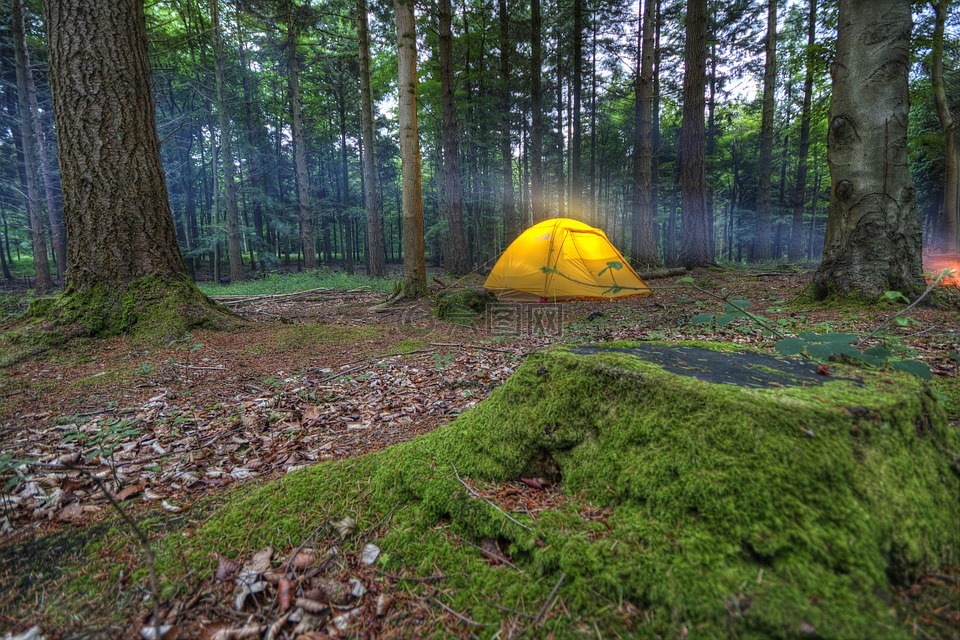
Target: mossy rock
<point x="787" y="510"/>
<point x="464" y="306"/>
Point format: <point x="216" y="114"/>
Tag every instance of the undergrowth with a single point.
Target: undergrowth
<point x="294" y="282"/>
<point x="730" y="512"/>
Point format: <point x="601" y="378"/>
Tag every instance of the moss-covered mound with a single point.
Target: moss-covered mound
<point x="151" y="307"/>
<point x="726" y="511"/>
<point x="464" y="306"/>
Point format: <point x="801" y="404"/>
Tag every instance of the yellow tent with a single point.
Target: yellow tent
<point x="563" y="259"/>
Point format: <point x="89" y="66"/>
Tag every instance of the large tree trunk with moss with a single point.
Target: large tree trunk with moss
<point x="376" y="252"/>
<point x="795" y="251"/>
<point x="695" y="243"/>
<point x="457" y="254"/>
<point x="226" y="150"/>
<point x="299" y="143"/>
<point x="30" y="157"/>
<point x="643" y="237"/>
<point x="762" y="239"/>
<point x="949" y="231"/>
<point x="873" y="241"/>
<point x="414" y="266"/>
<point x="124" y="265"/>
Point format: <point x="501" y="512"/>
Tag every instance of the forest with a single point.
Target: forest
<point x="513" y="319"/>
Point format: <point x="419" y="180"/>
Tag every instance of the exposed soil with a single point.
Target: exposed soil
<point x="319" y="377"/>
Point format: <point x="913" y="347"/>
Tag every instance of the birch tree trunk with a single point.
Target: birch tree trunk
<point x="376" y="253"/>
<point x="457" y="255"/>
<point x="873" y="241"/>
<point x="414" y="266"/>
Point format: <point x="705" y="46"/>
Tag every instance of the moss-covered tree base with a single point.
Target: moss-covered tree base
<point x="783" y="511"/>
<point x="149" y="308"/>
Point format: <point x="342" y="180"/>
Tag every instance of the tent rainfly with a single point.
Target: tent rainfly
<point x="563" y="259"/>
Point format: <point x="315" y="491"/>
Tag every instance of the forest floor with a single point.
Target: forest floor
<point x="170" y="429"/>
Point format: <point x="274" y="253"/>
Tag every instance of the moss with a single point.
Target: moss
<point x="151" y="308"/>
<point x="463" y="305"/>
<point x="726" y="515"/>
<point x="408" y="345"/>
<point x="305" y="337"/>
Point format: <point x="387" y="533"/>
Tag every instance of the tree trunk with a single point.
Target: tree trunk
<point x="795" y="251"/>
<point x="949" y="231"/>
<point x="576" y="156"/>
<point x="695" y="241"/>
<point x="376" y="255"/>
<point x="644" y="225"/>
<point x="124" y="267"/>
<point x="226" y="150"/>
<point x="506" y="148"/>
<point x="457" y="258"/>
<point x="299" y="146"/>
<point x="41" y="266"/>
<point x="414" y="266"/>
<point x="873" y="241"/>
<point x="346" y="220"/>
<point x="536" y="108"/>
<point x="761" y="240"/>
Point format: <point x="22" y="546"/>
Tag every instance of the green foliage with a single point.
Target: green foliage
<point x="295" y="282"/>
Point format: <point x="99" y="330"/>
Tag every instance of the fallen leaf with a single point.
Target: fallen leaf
<point x="384" y="604"/>
<point x="310" y="605"/>
<point x="304" y="559"/>
<point x="128" y="492"/>
<point x="260" y="562"/>
<point x="535" y="483"/>
<point x="369" y="554"/>
<point x="248" y="631"/>
<point x="824" y="370"/>
<point x="346" y="526"/>
<point x="285" y="594"/>
<point x="358" y="589"/>
<point x="172" y="508"/>
<point x="225" y="568"/>
<point x="150" y="632"/>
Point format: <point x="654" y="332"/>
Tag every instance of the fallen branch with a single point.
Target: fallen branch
<point x="475" y="494"/>
<point x="546" y="605"/>
<point x="886" y="323"/>
<point x="468" y="346"/>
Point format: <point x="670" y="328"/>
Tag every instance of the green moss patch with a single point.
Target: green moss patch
<point x="724" y="510"/>
<point x="463" y="306"/>
<point x="306" y="337"/>
<point x="151" y="308"/>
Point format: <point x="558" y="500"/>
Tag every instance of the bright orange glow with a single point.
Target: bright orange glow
<point x="935" y="264"/>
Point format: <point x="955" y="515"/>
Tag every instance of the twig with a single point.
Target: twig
<point x="137" y="532"/>
<point x="475" y="494"/>
<point x="219" y="367"/>
<point x="546" y="605"/>
<point x="886" y="323"/>
<point x="733" y="304"/>
<point x="468" y="346"/>
<point x="456" y="614"/>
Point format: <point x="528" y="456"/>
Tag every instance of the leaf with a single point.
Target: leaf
<point x="824" y="370"/>
<point x="225" y="568"/>
<point x="535" y="483"/>
<point x="727" y="318"/>
<point x="615" y="265"/>
<point x="878" y="352"/>
<point x="303" y="559"/>
<point x="738" y="304"/>
<point x="703" y="318"/>
<point x="809" y="335"/>
<point x="914" y="367"/>
<point x="151" y="632"/>
<point x="839" y="338"/>
<point x="172" y="508"/>
<point x="686" y="280"/>
<point x="790" y="346"/>
<point x="384" y="603"/>
<point x="260" y="562"/>
<point x="285" y="594"/>
<point x="346" y="526"/>
<point x="894" y="296"/>
<point x="369" y="553"/>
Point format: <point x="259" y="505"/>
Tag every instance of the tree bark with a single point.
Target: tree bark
<point x="457" y="258"/>
<point x="124" y="268"/>
<point x="414" y="266"/>
<point x="506" y="147"/>
<point x="41" y="266"/>
<point x="949" y="231"/>
<point x="536" y="108"/>
<point x="795" y="251"/>
<point x="376" y="253"/>
<point x="695" y="242"/>
<point x="299" y="144"/>
<point x="226" y="150"/>
<point x="576" y="150"/>
<point x="873" y="240"/>
<point x="761" y="240"/>
<point x="644" y="225"/>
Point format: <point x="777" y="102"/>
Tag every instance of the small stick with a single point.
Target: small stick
<point x="459" y="616"/>
<point x="468" y="346"/>
<point x="546" y="605"/>
<point x="474" y="493"/>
